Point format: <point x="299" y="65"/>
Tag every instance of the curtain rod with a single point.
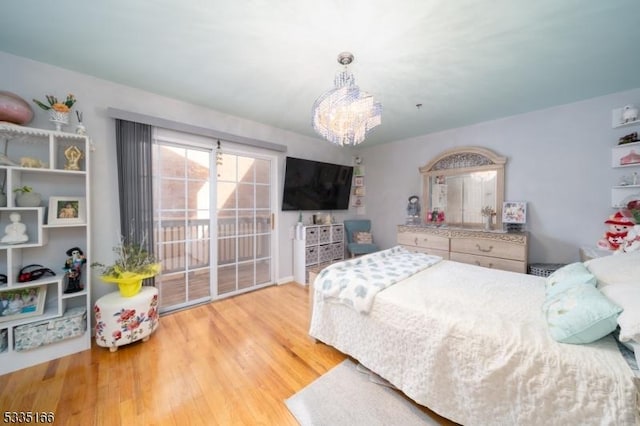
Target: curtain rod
<point x="189" y="128"/>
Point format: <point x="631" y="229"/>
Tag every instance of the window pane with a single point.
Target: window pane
<point x="171" y="162"/>
<point x="263" y="221"/>
<point x="263" y="199"/>
<point x="245" y="248"/>
<point x="226" y="279"/>
<point x="227" y="171"/>
<point x="246" y="169"/>
<point x="199" y="253"/>
<point x="263" y="248"/>
<point x="245" y="224"/>
<point x="198" y="192"/>
<point x="263" y="271"/>
<point x="226" y="223"/>
<point x="173" y="256"/>
<point x="198" y="165"/>
<point x="172" y="194"/>
<point x="199" y="284"/>
<point x="263" y="171"/>
<point x="245" y="275"/>
<point x="226" y="250"/>
<point x="226" y="195"/>
<point x="245" y="196"/>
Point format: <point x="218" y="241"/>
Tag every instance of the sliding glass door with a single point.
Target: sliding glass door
<point x="182" y="217"/>
<point x="245" y="223"/>
<point x="213" y="220"/>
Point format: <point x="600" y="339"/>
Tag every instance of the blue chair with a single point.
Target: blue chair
<point x="358" y="225"/>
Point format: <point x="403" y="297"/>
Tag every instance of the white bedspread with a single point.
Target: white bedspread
<point x="356" y="282"/>
<point x="471" y="344"/>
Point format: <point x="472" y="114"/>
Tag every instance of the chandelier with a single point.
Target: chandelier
<point x="345" y="115"/>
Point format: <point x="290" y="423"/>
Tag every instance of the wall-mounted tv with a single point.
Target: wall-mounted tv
<point x="313" y="185"/>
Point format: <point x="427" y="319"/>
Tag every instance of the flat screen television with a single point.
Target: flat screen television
<point x="313" y="185"/>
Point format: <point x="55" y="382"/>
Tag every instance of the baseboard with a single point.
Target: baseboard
<point x="284" y="280"/>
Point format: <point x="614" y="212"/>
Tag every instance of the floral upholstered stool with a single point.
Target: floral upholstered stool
<point x="122" y="320"/>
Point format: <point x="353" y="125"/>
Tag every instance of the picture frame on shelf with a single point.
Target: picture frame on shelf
<point x="22" y="302"/>
<point x="66" y="210"/>
<point x="358" y="181"/>
<point x="514" y="212"/>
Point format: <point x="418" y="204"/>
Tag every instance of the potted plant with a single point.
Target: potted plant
<point x="26" y="197"/>
<point x="133" y="263"/>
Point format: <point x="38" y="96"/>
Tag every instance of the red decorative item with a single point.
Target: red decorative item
<point x="14" y="109"/>
<point x="619" y="225"/>
<point x="631" y="158"/>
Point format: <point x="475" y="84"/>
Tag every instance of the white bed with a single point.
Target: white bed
<point x="472" y="344"/>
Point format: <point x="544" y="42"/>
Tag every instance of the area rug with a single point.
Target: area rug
<point x="350" y="395"/>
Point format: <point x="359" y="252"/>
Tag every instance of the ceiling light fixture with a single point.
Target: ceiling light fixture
<point x="345" y="115"/>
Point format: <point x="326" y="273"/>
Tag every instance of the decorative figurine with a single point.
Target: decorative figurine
<point x="73" y="268"/>
<point x="413" y="210"/>
<point x="16" y="231"/>
<point x="73" y="154"/>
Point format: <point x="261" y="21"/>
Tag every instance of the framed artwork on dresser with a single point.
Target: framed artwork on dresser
<point x="514" y="212"/>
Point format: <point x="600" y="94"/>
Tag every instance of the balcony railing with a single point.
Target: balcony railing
<point x="179" y="243"/>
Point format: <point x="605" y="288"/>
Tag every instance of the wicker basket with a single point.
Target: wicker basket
<point x="544" y="269"/>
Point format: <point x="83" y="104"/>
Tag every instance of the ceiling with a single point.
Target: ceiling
<point x="465" y="61"/>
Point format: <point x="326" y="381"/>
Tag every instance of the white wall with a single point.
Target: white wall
<point x="558" y="160"/>
<point x="29" y="79"/>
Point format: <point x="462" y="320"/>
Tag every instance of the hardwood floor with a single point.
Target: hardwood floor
<point x="229" y="362"/>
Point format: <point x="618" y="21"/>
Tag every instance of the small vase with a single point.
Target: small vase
<point x="59" y="118"/>
<point x="28" y="199"/>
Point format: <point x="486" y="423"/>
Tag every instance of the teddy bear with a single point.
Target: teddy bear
<point x="619" y="225"/>
<point x="632" y="240"/>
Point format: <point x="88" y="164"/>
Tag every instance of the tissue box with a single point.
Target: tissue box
<point x="72" y="324"/>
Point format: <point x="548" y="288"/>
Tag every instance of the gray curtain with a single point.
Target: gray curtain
<point x="134" y="146"/>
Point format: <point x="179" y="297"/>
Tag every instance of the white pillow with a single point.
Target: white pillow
<point x="619" y="268"/>
<point x="628" y="297"/>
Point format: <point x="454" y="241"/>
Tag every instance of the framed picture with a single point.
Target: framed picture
<point x="514" y="212"/>
<point x="358" y="181"/>
<point x="67" y="210"/>
<point x="22" y="303"/>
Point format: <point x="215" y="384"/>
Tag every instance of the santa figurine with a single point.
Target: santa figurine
<point x="619" y="225"/>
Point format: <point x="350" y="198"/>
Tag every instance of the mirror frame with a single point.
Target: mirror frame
<point x="465" y="160"/>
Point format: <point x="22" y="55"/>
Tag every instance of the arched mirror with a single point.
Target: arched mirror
<point x="463" y="186"/>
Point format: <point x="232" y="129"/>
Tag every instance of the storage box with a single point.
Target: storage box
<point x="72" y="324"/>
<point x="544" y="269"/>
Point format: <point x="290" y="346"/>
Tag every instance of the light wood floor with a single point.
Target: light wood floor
<point x="229" y="362"/>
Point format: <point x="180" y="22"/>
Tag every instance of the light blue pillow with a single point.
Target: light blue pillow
<point x="580" y="314"/>
<point x="568" y="276"/>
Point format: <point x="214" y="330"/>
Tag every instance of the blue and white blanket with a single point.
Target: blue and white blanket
<point x="356" y="282"/>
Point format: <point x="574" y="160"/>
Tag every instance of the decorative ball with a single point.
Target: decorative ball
<point x="14" y="109"/>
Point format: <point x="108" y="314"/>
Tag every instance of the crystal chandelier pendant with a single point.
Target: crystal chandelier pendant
<point x="345" y="114"/>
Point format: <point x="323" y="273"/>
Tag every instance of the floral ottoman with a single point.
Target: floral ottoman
<point x="122" y="320"/>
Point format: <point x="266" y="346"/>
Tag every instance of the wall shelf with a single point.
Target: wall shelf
<point x="47" y="244"/>
<point x="616" y="119"/>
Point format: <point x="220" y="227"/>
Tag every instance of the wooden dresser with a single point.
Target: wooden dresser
<point x="507" y="251"/>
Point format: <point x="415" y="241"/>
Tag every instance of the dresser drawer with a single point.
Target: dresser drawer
<point x="490" y="262"/>
<point x="420" y="239"/>
<point x="435" y="252"/>
<point x="491" y="248"/>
